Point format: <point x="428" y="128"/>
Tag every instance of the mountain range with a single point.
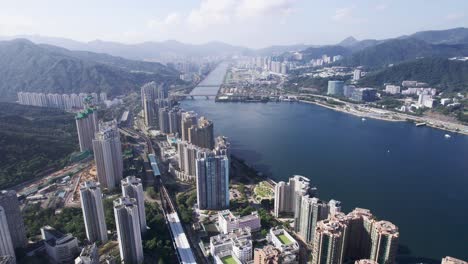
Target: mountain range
<point x="172" y="49"/>
<point x="375" y="54"/>
<point x="25" y="66"/>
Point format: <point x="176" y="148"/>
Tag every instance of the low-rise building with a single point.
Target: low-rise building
<point x="364" y="94"/>
<point x="272" y="255"/>
<point x="228" y="222"/>
<point x="59" y="247"/>
<point x="283" y="240"/>
<point x="392" y="89"/>
<point x="88" y="255"/>
<point x="237" y="243"/>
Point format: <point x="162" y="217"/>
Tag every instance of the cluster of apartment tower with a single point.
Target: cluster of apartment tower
<point x="334" y="236"/>
<point x="202" y="157"/>
<point x="61" y="101"/>
<point x="129" y="212"/>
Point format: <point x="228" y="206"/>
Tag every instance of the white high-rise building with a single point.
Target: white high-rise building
<point x="128" y="230"/>
<point x="6" y="244"/>
<point x="11" y="206"/>
<point x="93" y="212"/>
<point x="87" y="126"/>
<point x="357" y="74"/>
<point x="312" y="211"/>
<point x="288" y="195"/>
<point x="108" y="155"/>
<point x="132" y="188"/>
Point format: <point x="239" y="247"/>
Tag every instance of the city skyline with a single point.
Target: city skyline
<point x="235" y="22"/>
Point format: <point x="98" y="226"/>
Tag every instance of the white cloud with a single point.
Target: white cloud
<point x="219" y="12"/>
<point x="170" y="20"/>
<point x="255" y="8"/>
<point x="343" y="14"/>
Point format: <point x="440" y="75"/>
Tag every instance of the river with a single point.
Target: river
<point x="411" y="176"/>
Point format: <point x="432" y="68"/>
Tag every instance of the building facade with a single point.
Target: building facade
<point x="128" y="230"/>
<point x="86" y="125"/>
<point x="108" y="155"/>
<point x="288" y="195"/>
<point x="384" y="237"/>
<point x="329" y="242"/>
<point x="335" y="88"/>
<point x="202" y="134"/>
<point x="133" y="188"/>
<point x="93" y="212"/>
<point x="212" y="180"/>
<point x="6" y="243"/>
<point x="11" y="206"/>
<point x="313" y="210"/>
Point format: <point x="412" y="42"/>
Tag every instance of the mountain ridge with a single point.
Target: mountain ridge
<point x="26" y="66"/>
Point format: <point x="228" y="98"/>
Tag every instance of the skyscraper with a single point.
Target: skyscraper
<point x="175" y="121"/>
<point x="187" y="159"/>
<point x="87" y="125"/>
<point x="212" y="176"/>
<point x="384" y="237"/>
<point x="202" y="134"/>
<point x="312" y="210"/>
<point x="6" y="243"/>
<point x="288" y="195"/>
<point x="164" y="125"/>
<point x="132" y="188"/>
<point x="128" y="230"/>
<point x="329" y="242"/>
<point x="11" y="206"/>
<point x="93" y="212"/>
<point x="149" y="94"/>
<point x="108" y="155"/>
<point x="189" y="119"/>
<point x="359" y="227"/>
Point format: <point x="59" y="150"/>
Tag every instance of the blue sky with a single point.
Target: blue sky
<point x="252" y="23"/>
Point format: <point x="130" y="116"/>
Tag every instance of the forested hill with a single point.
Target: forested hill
<point x="401" y="50"/>
<point x="448" y="75"/>
<point x="25" y="66"/>
<point x="33" y="139"/>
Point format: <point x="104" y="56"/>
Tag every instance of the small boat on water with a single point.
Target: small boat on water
<point x="363" y="119"/>
<point x="421" y="124"/>
<point x="447" y="136"/>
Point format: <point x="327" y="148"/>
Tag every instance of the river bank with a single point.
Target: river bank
<point x="386" y="115"/>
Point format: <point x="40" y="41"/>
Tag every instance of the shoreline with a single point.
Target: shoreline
<point x="398" y="117"/>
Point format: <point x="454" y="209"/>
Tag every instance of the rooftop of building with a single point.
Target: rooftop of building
<point x="386" y="228"/>
<point x="229" y="260"/>
<point x="452" y="260"/>
<point x="330" y="227"/>
<point x="365" y="261"/>
<point x="84" y="113"/>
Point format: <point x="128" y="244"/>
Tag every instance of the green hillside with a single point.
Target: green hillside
<point x="25" y="66"/>
<point x="444" y="74"/>
<point x="33" y="139"/>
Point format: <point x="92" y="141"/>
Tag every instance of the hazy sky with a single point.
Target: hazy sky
<point x="253" y="23"/>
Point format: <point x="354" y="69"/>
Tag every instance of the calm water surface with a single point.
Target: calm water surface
<point x="411" y="176"/>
